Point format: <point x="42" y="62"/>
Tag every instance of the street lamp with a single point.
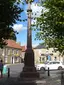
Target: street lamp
<point x="29" y="69"/>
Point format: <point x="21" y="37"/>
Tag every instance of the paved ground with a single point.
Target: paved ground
<point x="53" y="79"/>
<point x="42" y="81"/>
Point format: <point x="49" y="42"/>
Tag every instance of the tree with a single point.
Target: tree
<point x="9" y="14"/>
<point x="51" y="24"/>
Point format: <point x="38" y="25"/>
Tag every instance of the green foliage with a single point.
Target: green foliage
<point x="29" y="1"/>
<point x="9" y="14"/>
<point x="51" y="24"/>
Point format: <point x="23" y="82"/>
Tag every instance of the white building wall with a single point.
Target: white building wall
<point x="50" y="51"/>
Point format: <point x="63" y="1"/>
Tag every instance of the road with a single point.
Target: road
<point x="53" y="79"/>
<point x="53" y="74"/>
<point x="15" y="70"/>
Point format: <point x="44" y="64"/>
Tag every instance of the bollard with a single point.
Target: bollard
<point x="8" y="72"/>
<point x="62" y="74"/>
<point x="48" y="72"/>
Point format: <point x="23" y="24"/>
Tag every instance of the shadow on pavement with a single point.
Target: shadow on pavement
<point x="15" y="81"/>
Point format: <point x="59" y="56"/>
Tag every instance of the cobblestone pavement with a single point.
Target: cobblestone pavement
<point x="44" y="80"/>
<point x="47" y="81"/>
<point x="53" y="81"/>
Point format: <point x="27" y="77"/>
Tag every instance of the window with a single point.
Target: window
<point x="9" y="51"/>
<point x="40" y="59"/>
<point x="42" y="54"/>
<point x="54" y="62"/>
<point x="57" y="62"/>
<point x="5" y="59"/>
<point x="51" y="63"/>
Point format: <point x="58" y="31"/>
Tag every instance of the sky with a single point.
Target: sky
<point x="21" y="27"/>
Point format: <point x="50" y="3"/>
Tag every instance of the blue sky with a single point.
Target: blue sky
<point x="21" y="27"/>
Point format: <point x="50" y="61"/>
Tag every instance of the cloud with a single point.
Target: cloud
<point x="33" y="21"/>
<point x="34" y="45"/>
<point x="36" y="10"/>
<point x="19" y="27"/>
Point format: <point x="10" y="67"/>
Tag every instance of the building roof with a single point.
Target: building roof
<point x="13" y="44"/>
<point x="23" y="48"/>
<point x="40" y="46"/>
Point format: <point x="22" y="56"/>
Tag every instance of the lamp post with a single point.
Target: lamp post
<point x="29" y="69"/>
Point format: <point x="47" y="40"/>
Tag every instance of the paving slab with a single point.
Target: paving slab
<point x="42" y="81"/>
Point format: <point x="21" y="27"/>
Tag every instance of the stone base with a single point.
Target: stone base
<point x="29" y="75"/>
<point x="29" y="72"/>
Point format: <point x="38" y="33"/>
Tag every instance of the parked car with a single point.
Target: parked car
<point x="52" y="65"/>
<point x="41" y="66"/>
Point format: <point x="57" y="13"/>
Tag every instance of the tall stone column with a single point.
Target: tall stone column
<point x="29" y="69"/>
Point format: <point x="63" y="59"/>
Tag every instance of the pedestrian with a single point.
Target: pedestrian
<point x="1" y="68"/>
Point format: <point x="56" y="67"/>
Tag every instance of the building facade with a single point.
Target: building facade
<point x="11" y="53"/>
<point x="42" y="54"/>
